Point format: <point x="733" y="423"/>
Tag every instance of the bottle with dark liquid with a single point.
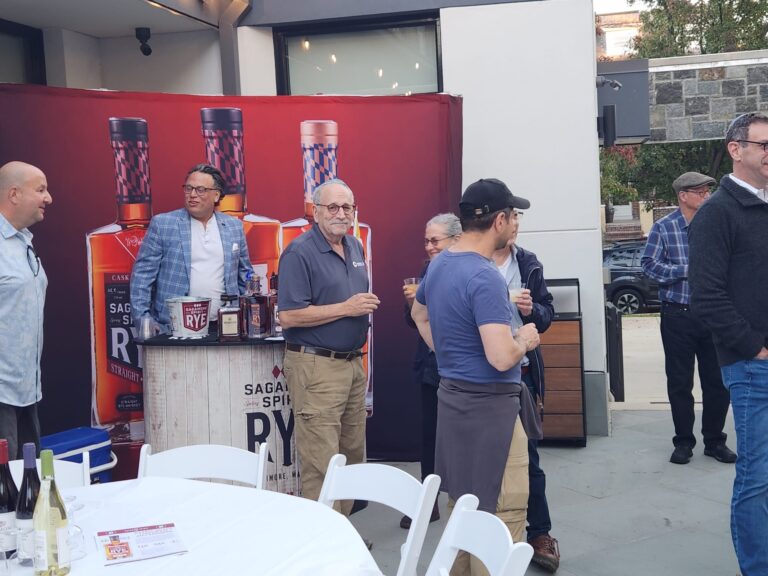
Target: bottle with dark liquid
<point x="256" y="313"/>
<point x="8" y="497"/>
<point x="319" y="145"/>
<point x="223" y="133"/>
<point x="25" y="507"/>
<point x="112" y="250"/>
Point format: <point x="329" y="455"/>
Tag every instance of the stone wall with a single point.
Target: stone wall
<point x="695" y="97"/>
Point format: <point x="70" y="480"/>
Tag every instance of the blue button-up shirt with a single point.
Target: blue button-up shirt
<point x="22" y="294"/>
<point x="666" y="257"/>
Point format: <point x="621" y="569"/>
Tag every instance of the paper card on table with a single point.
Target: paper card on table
<point x="140" y="543"/>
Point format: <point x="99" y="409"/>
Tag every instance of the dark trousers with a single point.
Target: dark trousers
<point x="18" y="425"/>
<point x="685" y="338"/>
<point x="539" y="521"/>
<point x="428" y="428"/>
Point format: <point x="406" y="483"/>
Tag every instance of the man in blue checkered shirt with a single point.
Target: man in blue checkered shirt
<point x="684" y="337"/>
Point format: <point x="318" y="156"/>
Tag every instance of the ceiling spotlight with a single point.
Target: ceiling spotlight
<point x="604" y="81"/>
<point x="142" y="35"/>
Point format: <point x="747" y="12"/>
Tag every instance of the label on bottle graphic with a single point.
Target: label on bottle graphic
<point x="123" y="357"/>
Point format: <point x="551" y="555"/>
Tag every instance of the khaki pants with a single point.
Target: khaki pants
<point x="511" y="506"/>
<point x="328" y="399"/>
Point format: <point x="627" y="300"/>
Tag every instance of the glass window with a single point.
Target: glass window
<point x="21" y="54"/>
<point x="386" y="60"/>
<point x="622" y="258"/>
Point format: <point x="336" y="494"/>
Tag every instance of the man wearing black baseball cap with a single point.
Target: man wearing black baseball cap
<point x="462" y="311"/>
<point x="684" y="337"/>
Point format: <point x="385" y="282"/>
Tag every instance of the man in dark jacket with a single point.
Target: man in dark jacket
<point x="728" y="274"/>
<point x="524" y="275"/>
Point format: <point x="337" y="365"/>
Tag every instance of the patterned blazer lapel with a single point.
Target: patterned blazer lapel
<point x="225" y="232"/>
<point x="185" y="234"/>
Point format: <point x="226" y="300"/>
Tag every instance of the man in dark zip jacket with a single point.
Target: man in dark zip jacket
<point x="534" y="305"/>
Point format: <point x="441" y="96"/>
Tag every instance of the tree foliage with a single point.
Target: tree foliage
<point x="646" y="172"/>
<point x="682" y="27"/>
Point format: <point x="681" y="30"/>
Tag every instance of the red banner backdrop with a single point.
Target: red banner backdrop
<point x="400" y="155"/>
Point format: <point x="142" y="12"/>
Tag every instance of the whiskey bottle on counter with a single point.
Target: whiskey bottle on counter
<point x="319" y="145"/>
<point x="257" y="313"/>
<point x="229" y="318"/>
<point x="223" y="133"/>
<point x="111" y="251"/>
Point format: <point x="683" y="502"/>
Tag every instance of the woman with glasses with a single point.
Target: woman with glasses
<point x="441" y="232"/>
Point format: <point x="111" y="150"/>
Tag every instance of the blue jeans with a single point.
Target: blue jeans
<point x="748" y="383"/>
<point x="539" y="521"/>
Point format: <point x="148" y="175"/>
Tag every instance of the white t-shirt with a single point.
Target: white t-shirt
<point x="206" y="278"/>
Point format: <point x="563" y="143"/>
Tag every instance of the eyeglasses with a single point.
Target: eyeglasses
<point x="33" y="260"/>
<point x="699" y="190"/>
<point x="763" y="145"/>
<point x="516" y="214"/>
<point x="436" y="241"/>
<point x="199" y="190"/>
<point x="334" y="208"/>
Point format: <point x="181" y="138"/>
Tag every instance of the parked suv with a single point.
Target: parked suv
<point x="629" y="289"/>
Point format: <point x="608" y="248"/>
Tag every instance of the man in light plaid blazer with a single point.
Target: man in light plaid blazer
<point x="193" y="251"/>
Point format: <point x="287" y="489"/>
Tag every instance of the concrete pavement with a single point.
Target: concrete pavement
<point x="618" y="506"/>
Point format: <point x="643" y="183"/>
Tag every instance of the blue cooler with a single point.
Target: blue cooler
<point x="70" y="445"/>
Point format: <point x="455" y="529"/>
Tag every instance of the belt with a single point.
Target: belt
<point x="675" y="305"/>
<point x="525" y="369"/>
<point x="324" y="352"/>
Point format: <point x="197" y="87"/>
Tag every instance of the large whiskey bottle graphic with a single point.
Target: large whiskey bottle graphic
<point x="223" y="133"/>
<point x="319" y="144"/>
<point x="116" y="365"/>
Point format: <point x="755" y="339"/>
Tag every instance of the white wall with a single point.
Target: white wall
<point x="256" y="54"/>
<point x="72" y="60"/>
<point x="527" y="74"/>
<point x="180" y="63"/>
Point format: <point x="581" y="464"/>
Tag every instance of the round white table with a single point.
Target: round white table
<point x="227" y="530"/>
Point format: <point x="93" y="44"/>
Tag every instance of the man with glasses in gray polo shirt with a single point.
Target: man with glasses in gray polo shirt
<point x="324" y="308"/>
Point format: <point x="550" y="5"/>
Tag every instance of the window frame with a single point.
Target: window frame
<point x="281" y="34"/>
<point x="34" y="49"/>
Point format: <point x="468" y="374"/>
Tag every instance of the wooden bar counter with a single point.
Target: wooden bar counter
<point x="233" y="393"/>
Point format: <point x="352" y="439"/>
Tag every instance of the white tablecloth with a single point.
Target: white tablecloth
<point x="227" y="529"/>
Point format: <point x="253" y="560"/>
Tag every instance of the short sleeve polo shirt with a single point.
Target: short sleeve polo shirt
<point x="311" y="273"/>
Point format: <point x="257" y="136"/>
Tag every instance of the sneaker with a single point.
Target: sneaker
<point x="681" y="455"/>
<point x="721" y="453"/>
<point x="546" y="552"/>
<point x="405" y="521"/>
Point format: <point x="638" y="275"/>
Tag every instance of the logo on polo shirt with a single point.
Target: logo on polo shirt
<point x="357" y="264"/>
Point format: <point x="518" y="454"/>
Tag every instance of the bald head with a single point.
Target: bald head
<point x="23" y="194"/>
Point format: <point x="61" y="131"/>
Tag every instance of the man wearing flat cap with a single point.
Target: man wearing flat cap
<point x="683" y="335"/>
<point x="485" y="416"/>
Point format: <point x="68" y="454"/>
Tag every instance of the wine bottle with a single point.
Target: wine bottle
<point x="25" y="507"/>
<point x="8" y="495"/>
<point x="50" y="523"/>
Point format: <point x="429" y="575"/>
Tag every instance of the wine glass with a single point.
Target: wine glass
<point x="8" y="537"/>
<point x="76" y="542"/>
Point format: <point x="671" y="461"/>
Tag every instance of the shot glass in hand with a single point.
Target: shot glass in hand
<point x="514" y="293"/>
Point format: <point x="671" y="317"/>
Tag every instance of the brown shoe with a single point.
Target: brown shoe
<point x="546" y="552"/>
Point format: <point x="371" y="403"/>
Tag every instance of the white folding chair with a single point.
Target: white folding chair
<point x="67" y="474"/>
<point x="484" y="536"/>
<point x="213" y="461"/>
<point x="389" y="486"/>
